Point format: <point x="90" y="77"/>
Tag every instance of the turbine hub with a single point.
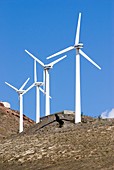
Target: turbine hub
<point x="39" y="83"/>
<point x="20" y="91"/>
<point x="47" y="67"/>
<point x="78" y="46"/>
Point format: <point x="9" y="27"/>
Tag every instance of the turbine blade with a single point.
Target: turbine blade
<point x="35" y="72"/>
<point x="41" y="90"/>
<point x="50" y="97"/>
<point x="44" y="81"/>
<point x="44" y="92"/>
<point x="24" y="84"/>
<point x="89" y="59"/>
<point x="56" y="61"/>
<point x="28" y="88"/>
<point x="40" y="62"/>
<point x="61" y="52"/>
<point x="78" y="30"/>
<point x="11" y="86"/>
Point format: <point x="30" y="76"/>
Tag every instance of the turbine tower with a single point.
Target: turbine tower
<point x="46" y="68"/>
<point x="20" y="92"/>
<point x="77" y="46"/>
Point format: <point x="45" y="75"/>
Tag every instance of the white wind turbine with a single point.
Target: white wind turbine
<point x="46" y="68"/>
<point x="38" y="89"/>
<point x="77" y="46"/>
<point x="20" y="92"/>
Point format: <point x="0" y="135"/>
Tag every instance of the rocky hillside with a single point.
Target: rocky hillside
<point x="56" y="143"/>
<point x="9" y="122"/>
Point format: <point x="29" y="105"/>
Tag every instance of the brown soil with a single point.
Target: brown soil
<point x="45" y="146"/>
<point x="9" y="122"/>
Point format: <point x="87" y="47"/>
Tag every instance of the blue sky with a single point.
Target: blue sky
<point x="45" y="27"/>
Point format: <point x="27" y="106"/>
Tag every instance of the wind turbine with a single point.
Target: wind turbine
<point x="77" y="46"/>
<point x="20" y="92"/>
<point x="46" y="68"/>
<point x="38" y="89"/>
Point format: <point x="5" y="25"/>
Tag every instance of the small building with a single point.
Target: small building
<point x="5" y="104"/>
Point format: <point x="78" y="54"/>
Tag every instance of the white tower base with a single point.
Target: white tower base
<point x="78" y="98"/>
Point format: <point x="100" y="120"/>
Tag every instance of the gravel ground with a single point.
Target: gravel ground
<point x="84" y="146"/>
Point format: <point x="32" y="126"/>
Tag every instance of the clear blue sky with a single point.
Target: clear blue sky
<point x="44" y="27"/>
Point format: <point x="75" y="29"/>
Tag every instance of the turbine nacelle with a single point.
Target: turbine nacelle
<point x="79" y="45"/>
<point x="47" y="67"/>
<point x="20" y="91"/>
<point x="39" y="84"/>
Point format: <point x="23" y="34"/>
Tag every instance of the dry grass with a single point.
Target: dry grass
<point x="83" y="146"/>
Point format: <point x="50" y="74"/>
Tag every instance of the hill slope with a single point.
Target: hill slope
<point x="88" y="145"/>
<point x="9" y="122"/>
